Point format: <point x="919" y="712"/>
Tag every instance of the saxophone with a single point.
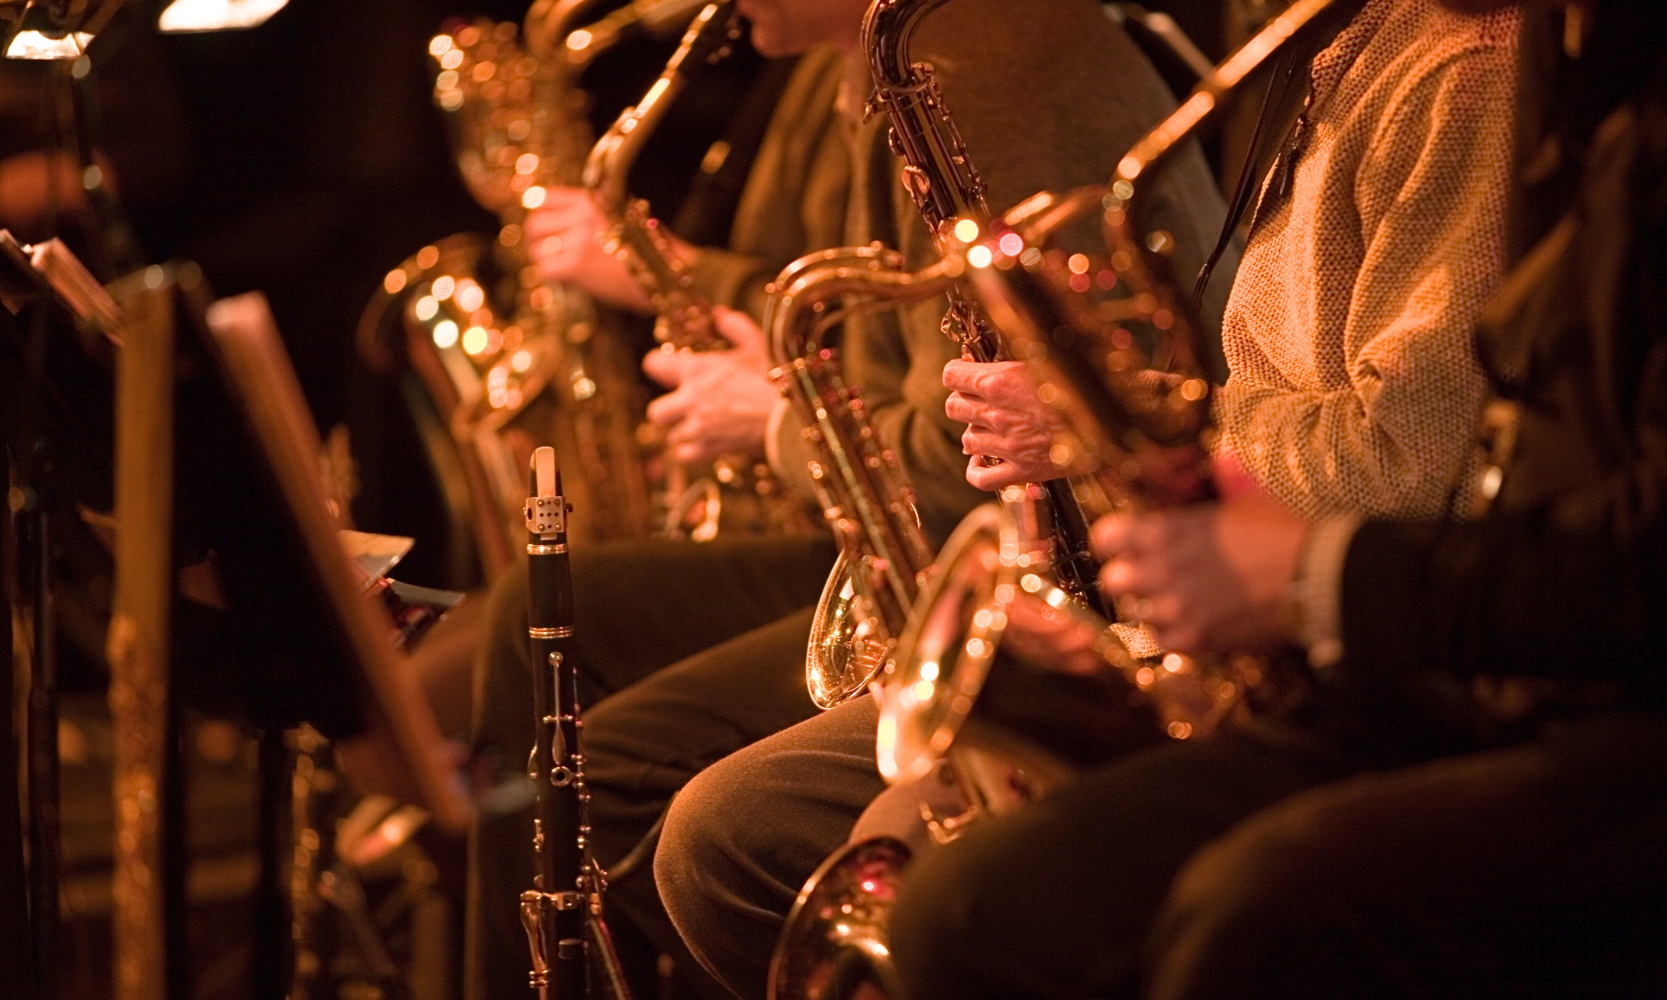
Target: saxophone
<point x="946" y="188"/>
<point x="1123" y="403"/>
<point x="861" y="487"/>
<point x="739" y="492"/>
<point x="508" y="362"/>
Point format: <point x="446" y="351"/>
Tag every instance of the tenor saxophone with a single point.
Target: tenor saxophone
<point x="946" y="188"/>
<point x="738" y="493"/>
<point x="508" y="362"/>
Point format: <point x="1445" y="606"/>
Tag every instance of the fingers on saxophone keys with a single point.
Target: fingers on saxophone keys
<point x="669" y="368"/>
<point x="671" y="408"/>
<point x="962" y="376"/>
<point x="976" y="440"/>
<point x="1109" y="535"/>
<point x="962" y="409"/>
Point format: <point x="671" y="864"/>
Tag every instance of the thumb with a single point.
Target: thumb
<point x="739" y="329"/>
<point x="667" y="367"/>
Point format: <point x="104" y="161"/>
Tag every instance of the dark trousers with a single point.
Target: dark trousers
<point x="686" y="653"/>
<point x="1054" y="900"/>
<point x="1528" y="873"/>
<point x="743" y="837"/>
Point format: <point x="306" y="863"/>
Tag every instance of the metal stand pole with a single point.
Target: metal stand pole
<point x="17" y="976"/>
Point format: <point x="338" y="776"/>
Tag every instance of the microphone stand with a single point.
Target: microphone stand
<point x="562" y="915"/>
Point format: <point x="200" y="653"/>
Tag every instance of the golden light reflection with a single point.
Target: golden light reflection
<point x="470" y="297"/>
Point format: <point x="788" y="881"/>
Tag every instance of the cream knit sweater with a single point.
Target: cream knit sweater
<point x="1353" y="386"/>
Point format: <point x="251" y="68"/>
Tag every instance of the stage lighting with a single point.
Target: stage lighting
<point x="183" y="16"/>
<point x="52" y="29"/>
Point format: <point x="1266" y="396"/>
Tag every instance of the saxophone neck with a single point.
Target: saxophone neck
<point x="549" y="22"/>
<point x="937" y="172"/>
<point x="707" y="40"/>
<point x="868" y="279"/>
<point x="583" y="45"/>
<point x="887" y="30"/>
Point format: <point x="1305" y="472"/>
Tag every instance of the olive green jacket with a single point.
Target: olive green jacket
<point x="795" y="195"/>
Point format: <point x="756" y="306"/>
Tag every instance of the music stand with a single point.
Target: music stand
<point x="401" y="752"/>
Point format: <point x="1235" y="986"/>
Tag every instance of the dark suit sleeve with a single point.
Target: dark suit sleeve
<point x="1510" y="595"/>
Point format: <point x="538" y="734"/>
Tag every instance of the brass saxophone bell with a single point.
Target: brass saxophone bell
<point x="834" y="941"/>
<point x="848" y="643"/>
<point x="945" y="653"/>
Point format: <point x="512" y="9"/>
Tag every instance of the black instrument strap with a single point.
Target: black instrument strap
<point x="1281" y="115"/>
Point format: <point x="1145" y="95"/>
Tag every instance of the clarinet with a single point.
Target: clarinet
<point x="562" y="914"/>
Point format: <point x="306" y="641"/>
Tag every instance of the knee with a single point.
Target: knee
<point x="702" y="848"/>
<point x="1250" y="915"/>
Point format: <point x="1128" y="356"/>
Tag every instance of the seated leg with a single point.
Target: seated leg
<point x="1530" y="872"/>
<point x="1054" y="900"/>
<point x="741" y="838"/>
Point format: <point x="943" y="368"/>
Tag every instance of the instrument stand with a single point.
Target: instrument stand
<point x="573" y="954"/>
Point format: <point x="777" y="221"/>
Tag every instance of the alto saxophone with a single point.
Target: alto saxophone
<point x="945" y="186"/>
<point x="1123" y="404"/>
<point x="683" y="315"/>
<point x="860" y="485"/>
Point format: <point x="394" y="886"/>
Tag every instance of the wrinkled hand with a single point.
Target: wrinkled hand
<point x="564" y="238"/>
<point x="1049" y="638"/>
<point x="721" y="400"/>
<point x="1206" y="577"/>
<point x="1005" y="419"/>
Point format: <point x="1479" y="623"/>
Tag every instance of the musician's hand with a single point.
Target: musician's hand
<point x="1049" y="638"/>
<point x="1206" y="577"/>
<point x="563" y="237"/>
<point x="1005" y="419"/>
<point x="722" y="400"/>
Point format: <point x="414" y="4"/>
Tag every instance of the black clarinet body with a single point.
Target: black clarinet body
<point x="555" y="911"/>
